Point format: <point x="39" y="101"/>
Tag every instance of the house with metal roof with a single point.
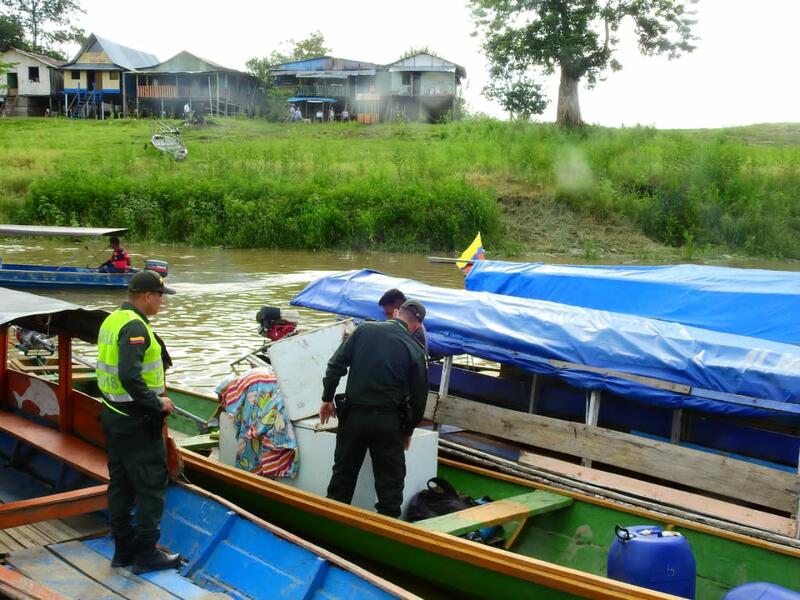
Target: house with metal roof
<point x="186" y="78"/>
<point x="417" y="87"/>
<point x="32" y="85"/>
<point x="95" y="81"/>
<point x="324" y="82"/>
<point x="420" y="87"/>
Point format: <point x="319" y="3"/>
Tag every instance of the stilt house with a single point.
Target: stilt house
<point x="31" y="86"/>
<point x="96" y="81"/>
<point x="186" y="78"/>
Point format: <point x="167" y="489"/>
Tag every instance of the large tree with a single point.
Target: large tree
<point x="576" y="37"/>
<point x="310" y="47"/>
<point x="11" y="33"/>
<point x="47" y="23"/>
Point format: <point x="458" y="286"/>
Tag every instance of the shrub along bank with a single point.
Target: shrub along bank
<point x="407" y="187"/>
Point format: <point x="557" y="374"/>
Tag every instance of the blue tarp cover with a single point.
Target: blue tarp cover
<point x="529" y="333"/>
<point x="751" y="302"/>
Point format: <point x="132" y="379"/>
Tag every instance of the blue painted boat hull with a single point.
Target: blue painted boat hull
<point x="48" y="277"/>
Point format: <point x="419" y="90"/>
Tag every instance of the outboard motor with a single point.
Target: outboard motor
<point x="274" y="323"/>
<point x="159" y="266"/>
<point x="33" y="343"/>
<point x="646" y="556"/>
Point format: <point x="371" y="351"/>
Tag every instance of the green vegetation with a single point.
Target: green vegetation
<point x="527" y="187"/>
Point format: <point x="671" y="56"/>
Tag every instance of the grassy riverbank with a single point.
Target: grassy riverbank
<point x="528" y="188"/>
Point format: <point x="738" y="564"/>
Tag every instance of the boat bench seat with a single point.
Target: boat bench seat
<point x="498" y="512"/>
<point x="79" y="454"/>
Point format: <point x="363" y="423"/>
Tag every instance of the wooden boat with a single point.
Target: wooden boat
<point x="51" y="277"/>
<point x="53" y="483"/>
<point x="557" y="532"/>
<point x="556" y="535"/>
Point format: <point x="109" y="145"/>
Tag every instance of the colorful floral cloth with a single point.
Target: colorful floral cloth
<point x="267" y="445"/>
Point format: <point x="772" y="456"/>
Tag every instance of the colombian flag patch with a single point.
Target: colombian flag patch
<point x="137" y="340"/>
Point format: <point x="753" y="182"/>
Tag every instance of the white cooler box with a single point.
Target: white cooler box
<point x="300" y="363"/>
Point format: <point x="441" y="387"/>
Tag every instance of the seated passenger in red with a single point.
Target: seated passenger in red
<point x="119" y="262"/>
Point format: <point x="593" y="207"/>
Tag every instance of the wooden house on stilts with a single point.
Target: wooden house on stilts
<point x="186" y="78"/>
<point x="96" y="81"/>
<point x="31" y="86"/>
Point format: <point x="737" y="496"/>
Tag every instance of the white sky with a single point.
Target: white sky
<point x="743" y="71"/>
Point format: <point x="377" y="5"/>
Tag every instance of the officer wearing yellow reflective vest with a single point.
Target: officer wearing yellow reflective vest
<point x="130" y="374"/>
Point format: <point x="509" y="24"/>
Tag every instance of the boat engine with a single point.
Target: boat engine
<point x="33" y="343"/>
<point x="159" y="266"/>
<point x="274" y="323"/>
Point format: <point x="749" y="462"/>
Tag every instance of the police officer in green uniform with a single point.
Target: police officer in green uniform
<point x="130" y="374"/>
<point x="387" y="367"/>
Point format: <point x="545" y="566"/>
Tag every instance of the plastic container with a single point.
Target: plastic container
<point x="159" y="266"/>
<point x="646" y="556"/>
<point x="759" y="590"/>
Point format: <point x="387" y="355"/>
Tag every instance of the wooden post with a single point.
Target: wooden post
<point x="444" y="382"/>
<point x="533" y="398"/>
<point x="137" y="96"/>
<point x="124" y="95"/>
<point x="3" y="366"/>
<point x="677" y="421"/>
<point x="210" y="98"/>
<point x="217" y="93"/>
<point x="592" y="414"/>
<point x="64" y="383"/>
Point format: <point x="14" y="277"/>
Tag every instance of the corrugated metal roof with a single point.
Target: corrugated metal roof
<point x="324" y="63"/>
<point x="329" y="74"/>
<point x="50" y="62"/>
<point x="186" y="62"/>
<point x="122" y="56"/>
<point x="425" y="61"/>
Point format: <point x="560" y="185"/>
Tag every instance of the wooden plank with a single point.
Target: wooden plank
<point x="44" y="567"/>
<point x="702" y="470"/>
<point x="661" y="494"/>
<point x="16" y="585"/>
<point x="98" y="567"/>
<point x="64" y="383"/>
<point x="8" y="543"/>
<point x="197" y="442"/>
<point x="494" y="513"/>
<point x="54" y="506"/>
<point x="81" y="455"/>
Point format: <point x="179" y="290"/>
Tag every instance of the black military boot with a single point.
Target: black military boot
<point x="147" y="557"/>
<point x="123" y="552"/>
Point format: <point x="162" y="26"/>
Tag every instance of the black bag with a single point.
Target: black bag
<point x="440" y="498"/>
<point x="342" y="407"/>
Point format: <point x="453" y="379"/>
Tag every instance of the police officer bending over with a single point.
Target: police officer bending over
<point x="387" y="388"/>
<point x="130" y="374"/>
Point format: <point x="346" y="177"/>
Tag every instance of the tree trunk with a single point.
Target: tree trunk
<point x="569" y="109"/>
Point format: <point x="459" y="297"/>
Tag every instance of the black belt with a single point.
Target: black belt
<point x="369" y="409"/>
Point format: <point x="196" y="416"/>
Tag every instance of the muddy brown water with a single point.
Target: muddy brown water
<point x="210" y="322"/>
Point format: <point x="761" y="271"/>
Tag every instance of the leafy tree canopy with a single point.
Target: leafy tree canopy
<point x="47" y="24"/>
<point x="577" y="37"/>
<point x="310" y="47"/>
<point x="414" y="50"/>
<point x="11" y="33"/>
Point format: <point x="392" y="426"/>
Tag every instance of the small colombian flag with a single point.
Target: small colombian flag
<point x="473" y="252"/>
<point x="137" y="340"/>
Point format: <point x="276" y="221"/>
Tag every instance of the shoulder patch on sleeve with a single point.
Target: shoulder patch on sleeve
<point x="139" y="339"/>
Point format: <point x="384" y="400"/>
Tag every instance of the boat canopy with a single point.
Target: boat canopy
<point x="658" y="362"/>
<point x="38" y="230"/>
<point x="751" y="302"/>
<point x="49" y="316"/>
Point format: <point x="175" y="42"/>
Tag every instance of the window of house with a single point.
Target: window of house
<point x="76" y="75"/>
<point x="113" y="75"/>
<point x="33" y="73"/>
<point x="406" y="78"/>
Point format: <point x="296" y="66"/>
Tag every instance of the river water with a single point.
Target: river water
<point x="210" y="322"/>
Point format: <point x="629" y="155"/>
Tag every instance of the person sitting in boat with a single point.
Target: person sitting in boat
<point x="120" y="261"/>
<point x="390" y="302"/>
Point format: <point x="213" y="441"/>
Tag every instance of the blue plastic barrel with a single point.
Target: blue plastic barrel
<point x="646" y="556"/>
<point x="759" y="590"/>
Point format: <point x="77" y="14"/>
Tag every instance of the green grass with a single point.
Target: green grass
<point x="528" y="188"/>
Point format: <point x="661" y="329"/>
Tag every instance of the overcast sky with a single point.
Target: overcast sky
<point x="743" y="71"/>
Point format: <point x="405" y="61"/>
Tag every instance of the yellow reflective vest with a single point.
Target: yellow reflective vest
<point x="108" y="358"/>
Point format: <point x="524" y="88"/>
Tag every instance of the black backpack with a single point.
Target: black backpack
<point x="440" y="498"/>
